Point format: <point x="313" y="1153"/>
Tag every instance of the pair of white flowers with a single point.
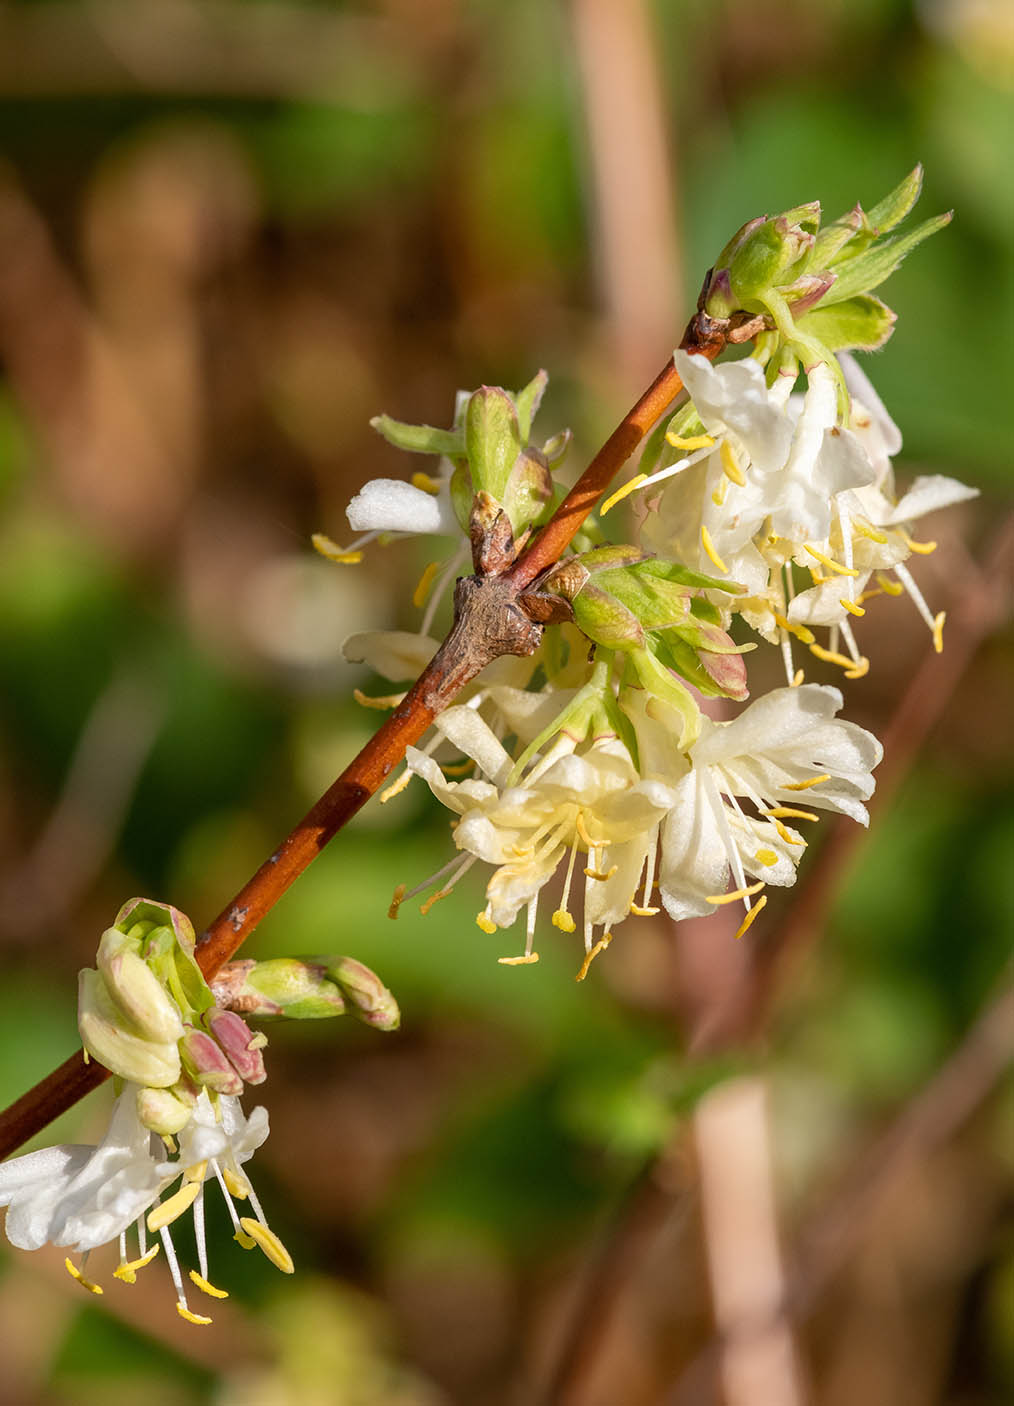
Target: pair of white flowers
<point x="689" y="822"/>
<point x="83" y="1196"/>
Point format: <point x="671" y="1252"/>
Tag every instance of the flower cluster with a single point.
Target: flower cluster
<point x="768" y="512"/>
<point x="181" y="1055"/>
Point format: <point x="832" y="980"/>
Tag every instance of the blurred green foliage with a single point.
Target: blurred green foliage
<point x="423" y="217"/>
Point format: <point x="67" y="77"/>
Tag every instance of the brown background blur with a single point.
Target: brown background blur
<point x="230" y="233"/>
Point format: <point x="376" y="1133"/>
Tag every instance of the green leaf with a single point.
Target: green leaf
<point x="683" y="576"/>
<point x="420" y="439"/>
<point x="862" y="323"/>
<point x="869" y="270"/>
<point x="894" y="207"/>
<point x="528" y="401"/>
<point x="492" y="439"/>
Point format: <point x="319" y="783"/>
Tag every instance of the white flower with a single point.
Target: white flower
<point x="83" y="1197"/>
<point x="785" y="750"/>
<point x="771" y="463"/>
<point x="590" y="802"/>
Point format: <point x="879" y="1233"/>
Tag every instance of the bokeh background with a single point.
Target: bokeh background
<point x="230" y="232"/>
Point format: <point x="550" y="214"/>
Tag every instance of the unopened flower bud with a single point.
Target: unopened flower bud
<point x="764" y="254"/>
<point x="164" y="1111"/>
<point x="283" y="986"/>
<point x="366" y="995"/>
<point x="136" y="990"/>
<point x="107" y="1035"/>
<point x="241" y="1046"/>
<point x="207" y="1064"/>
<point x="605" y="620"/>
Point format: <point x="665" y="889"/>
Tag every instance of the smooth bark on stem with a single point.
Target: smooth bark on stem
<point x="473" y="642"/>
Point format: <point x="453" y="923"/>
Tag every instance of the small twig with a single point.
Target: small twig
<point x="929" y="1119"/>
<point x="489" y="622"/>
<point x="973" y="614"/>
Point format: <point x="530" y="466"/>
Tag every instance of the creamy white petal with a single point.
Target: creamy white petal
<point x="392" y="505"/>
<point x="928" y="493"/>
<point x="394" y="654"/>
<point x="474" y="738"/>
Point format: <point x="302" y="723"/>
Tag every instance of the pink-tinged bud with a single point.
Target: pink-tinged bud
<point x="206" y="1063"/>
<point x="149" y="910"/>
<point x="728" y="672"/>
<point x="365" y="994"/>
<point x="241" y="1045"/>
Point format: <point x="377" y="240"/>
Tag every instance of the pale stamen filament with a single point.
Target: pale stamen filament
<point x="562" y="918"/>
<point x="437" y="590"/>
<point x="731" y="852"/>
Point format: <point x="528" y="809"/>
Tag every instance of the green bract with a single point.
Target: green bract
<point x="489" y="450"/>
<point x="810" y="286"/>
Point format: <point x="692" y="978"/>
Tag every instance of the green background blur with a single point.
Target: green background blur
<point x="229" y="234"/>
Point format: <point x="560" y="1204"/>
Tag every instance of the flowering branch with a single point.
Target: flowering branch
<point x="488" y="623"/>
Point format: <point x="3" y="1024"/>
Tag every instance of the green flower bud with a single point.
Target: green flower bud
<point x="135" y="989"/>
<point x="605" y="620"/>
<point x="165" y="1111"/>
<point x="307" y="988"/>
<point x="108" y="1036"/>
<point x="762" y="255"/>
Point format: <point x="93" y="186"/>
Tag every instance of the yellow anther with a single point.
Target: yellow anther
<point x="245" y="1241"/>
<point x="630" y="486"/>
<point x="380" y="701"/>
<point x="525" y="961"/>
<point x="643" y="912"/>
<point x="127" y="1272"/>
<point x="797" y="678"/>
<point x="170" y="1210"/>
<point x="484" y="921"/>
<point x="709" y="547"/>
<point x="333" y="552"/>
<point x="866" y="530"/>
<point x="805" y="785"/>
<point x="816" y="577"/>
<point x="922" y="549"/>
<point x="786" y="834"/>
<point x="88" y="1284"/>
<point x="829" y="562"/>
<point x="582" y="830"/>
<point x="238" y="1185"/>
<point x="751" y="915"/>
<point x="396" y="787"/>
<point x="435" y="898"/>
<point x="891" y="588"/>
<point x="729" y="464"/>
<point x="766" y="857"/>
<point x="804" y="635"/>
<point x="734" y="897"/>
<point x="397" y="899"/>
<point x="853" y="607"/>
<point x="689" y="442"/>
<point x="718" y="497"/>
<point x="601" y="878"/>
<point x="829" y="656"/>
<point x="196" y="1172"/>
<point x="197" y="1318"/>
<point x="426" y="483"/>
<point x="860" y="668"/>
<point x="459" y="768"/>
<point x="563" y="920"/>
<point x="870" y="595"/>
<point x="422" y="589"/>
<point x="938" y="631"/>
<point x="269" y="1243"/>
<point x="781" y="812"/>
<point x="600" y="946"/>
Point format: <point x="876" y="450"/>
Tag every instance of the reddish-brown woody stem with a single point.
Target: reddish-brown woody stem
<point x="488" y="623"/>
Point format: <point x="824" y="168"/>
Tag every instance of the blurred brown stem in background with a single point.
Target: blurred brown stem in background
<point x="727" y="1018"/>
